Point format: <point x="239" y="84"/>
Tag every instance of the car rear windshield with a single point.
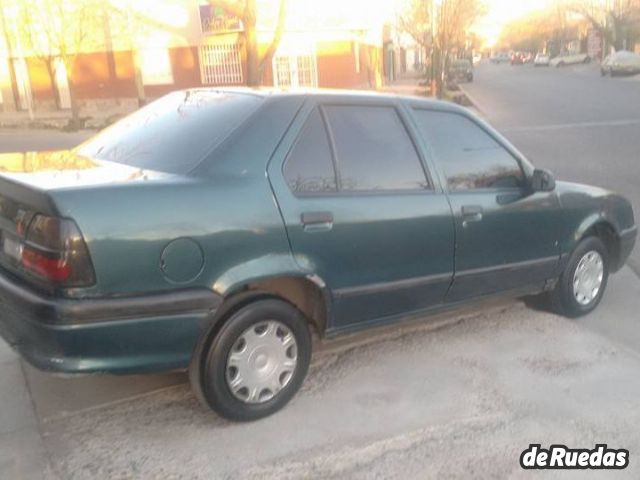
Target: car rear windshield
<point x="173" y="133"/>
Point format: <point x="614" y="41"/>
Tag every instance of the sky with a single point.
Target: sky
<point x="500" y="12"/>
<point x="371" y="12"/>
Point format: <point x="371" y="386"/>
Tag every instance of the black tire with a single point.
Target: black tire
<point x="562" y="298"/>
<point x="208" y="368"/>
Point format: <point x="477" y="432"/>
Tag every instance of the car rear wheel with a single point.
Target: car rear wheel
<point x="583" y="282"/>
<point x="255" y="363"/>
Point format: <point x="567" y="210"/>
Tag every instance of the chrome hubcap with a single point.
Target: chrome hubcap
<point x="261" y="362"/>
<point x="587" y="278"/>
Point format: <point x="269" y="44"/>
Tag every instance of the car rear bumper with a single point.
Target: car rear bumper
<point x="132" y="334"/>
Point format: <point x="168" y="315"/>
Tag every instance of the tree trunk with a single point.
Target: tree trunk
<point x="75" y="123"/>
<point x="52" y="78"/>
<point x="137" y="78"/>
<point x="438" y="73"/>
<point x="10" y="58"/>
<point x="251" y="44"/>
<point x="246" y="11"/>
<point x="275" y="42"/>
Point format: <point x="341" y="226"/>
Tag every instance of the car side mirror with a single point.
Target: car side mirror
<point x="542" y="181"/>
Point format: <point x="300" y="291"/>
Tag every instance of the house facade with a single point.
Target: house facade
<point x="140" y="50"/>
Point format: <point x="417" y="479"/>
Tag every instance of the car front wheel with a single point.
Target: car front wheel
<point x="582" y="284"/>
<point x="256" y="362"/>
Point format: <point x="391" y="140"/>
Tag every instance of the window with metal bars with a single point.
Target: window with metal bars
<point x="221" y="64"/>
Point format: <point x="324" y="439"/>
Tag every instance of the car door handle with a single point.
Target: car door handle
<point x="317" y="221"/>
<point x="471" y="213"/>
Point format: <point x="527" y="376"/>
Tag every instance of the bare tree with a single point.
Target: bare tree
<point x="246" y="11"/>
<point x="454" y="19"/>
<point x="537" y="31"/>
<point x="415" y="20"/>
<point x="58" y="30"/>
<point x="616" y="23"/>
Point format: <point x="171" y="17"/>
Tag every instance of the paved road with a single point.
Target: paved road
<point x="583" y="127"/>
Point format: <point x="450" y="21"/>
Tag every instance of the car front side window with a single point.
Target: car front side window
<point x="470" y="158"/>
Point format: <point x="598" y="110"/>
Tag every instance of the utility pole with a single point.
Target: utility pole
<point x="434" y="93"/>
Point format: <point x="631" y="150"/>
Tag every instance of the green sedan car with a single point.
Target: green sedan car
<point x="214" y="230"/>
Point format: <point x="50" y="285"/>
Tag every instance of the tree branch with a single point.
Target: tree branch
<point x="418" y="36"/>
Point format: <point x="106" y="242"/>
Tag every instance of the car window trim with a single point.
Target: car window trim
<point x="297" y="139"/>
<point x="486" y="131"/>
<point x="332" y="147"/>
<point x="365" y="193"/>
<point x="429" y="187"/>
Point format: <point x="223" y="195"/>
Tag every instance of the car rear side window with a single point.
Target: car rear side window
<point x="470" y="157"/>
<point x="175" y="132"/>
<point x="309" y="166"/>
<point x="373" y="149"/>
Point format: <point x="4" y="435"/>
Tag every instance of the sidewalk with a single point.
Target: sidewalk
<point x="95" y="117"/>
<point x="22" y="453"/>
<point x="407" y="84"/>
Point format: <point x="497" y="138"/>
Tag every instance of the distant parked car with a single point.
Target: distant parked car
<point x="215" y="229"/>
<point x="476" y="58"/>
<point x="501" y="57"/>
<point x="621" y="63"/>
<point x="517" y="58"/>
<point x="569" y="59"/>
<point x="460" y="69"/>
<point x="542" y="60"/>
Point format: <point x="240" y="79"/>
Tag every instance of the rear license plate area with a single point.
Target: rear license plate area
<point x="11" y="246"/>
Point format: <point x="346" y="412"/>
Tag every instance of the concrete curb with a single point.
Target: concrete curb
<point x="476" y="105"/>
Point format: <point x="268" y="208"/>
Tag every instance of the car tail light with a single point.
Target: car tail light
<point x="55" y="251"/>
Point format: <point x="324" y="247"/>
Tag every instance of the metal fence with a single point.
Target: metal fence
<point x="221" y="64"/>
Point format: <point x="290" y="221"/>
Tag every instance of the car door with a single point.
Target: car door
<point x="360" y="211"/>
<point x="506" y="236"/>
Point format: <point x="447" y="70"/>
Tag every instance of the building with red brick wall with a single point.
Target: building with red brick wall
<point x="147" y="52"/>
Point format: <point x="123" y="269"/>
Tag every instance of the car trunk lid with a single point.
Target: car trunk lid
<point x="37" y="242"/>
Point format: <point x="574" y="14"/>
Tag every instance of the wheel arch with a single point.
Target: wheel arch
<point x="604" y="229"/>
<point x="308" y="293"/>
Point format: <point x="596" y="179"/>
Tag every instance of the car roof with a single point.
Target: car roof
<point x="624" y="53"/>
<point x="327" y="94"/>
